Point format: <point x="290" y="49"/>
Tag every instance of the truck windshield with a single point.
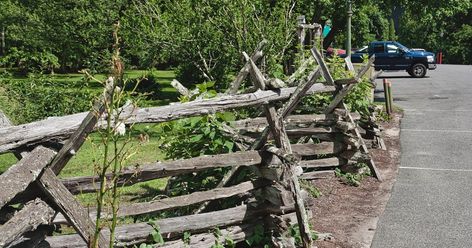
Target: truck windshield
<point x="404" y="48"/>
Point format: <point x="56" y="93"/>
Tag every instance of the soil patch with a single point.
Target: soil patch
<point x="350" y="213"/>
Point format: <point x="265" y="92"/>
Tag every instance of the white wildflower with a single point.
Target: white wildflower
<point x="120" y="129"/>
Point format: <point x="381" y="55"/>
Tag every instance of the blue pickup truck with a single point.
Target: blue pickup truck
<point x="391" y="55"/>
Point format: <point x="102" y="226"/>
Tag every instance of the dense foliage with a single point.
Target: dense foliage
<point x="443" y="26"/>
<point x="204" y="39"/>
<point x="38" y="97"/>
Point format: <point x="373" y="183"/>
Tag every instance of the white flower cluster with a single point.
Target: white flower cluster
<point x="120" y="129"/>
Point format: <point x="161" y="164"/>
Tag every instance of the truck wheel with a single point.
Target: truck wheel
<point x="418" y="70"/>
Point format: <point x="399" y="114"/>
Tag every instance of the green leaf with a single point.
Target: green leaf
<point x="186" y="237"/>
<point x="211" y="93"/>
<point x="157" y="237"/>
<point x="212" y="134"/>
<point x="227" y="116"/>
<point x="196" y="138"/>
<point x="229" y="145"/>
<point x="218" y="141"/>
<point x="209" y="84"/>
<point x="195" y="120"/>
<point x="207" y="130"/>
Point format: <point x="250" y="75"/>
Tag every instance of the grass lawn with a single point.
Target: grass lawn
<point x="82" y="163"/>
<point x="145" y="152"/>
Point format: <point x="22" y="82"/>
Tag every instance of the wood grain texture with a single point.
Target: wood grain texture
<point x="300" y="91"/>
<point x="345" y="90"/>
<point x="4" y="121"/>
<point x="75" y="141"/>
<point x="132" y="175"/>
<point x="57" y="128"/>
<point x="32" y="215"/>
<point x="276" y="126"/>
<point x="33" y="238"/>
<point x="176" y="202"/>
<point x="180" y="88"/>
<point x="18" y="177"/>
<point x="324" y="68"/>
<point x="318" y="175"/>
<point x="204" y="240"/>
<point x="255" y="56"/>
<point x="69" y="207"/>
<point x="257" y="125"/>
<point x="131" y="234"/>
<point x="323" y="163"/>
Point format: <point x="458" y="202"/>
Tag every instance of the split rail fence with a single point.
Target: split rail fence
<point x="279" y="148"/>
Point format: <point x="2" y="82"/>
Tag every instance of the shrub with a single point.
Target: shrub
<point x="357" y="100"/>
<point x="27" y="62"/>
<point x="39" y="97"/>
<point x="147" y="85"/>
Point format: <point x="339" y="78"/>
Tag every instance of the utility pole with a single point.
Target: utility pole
<point x="349" y="15"/>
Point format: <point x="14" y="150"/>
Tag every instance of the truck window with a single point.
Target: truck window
<point x="379" y="48"/>
<point x="391" y="48"/>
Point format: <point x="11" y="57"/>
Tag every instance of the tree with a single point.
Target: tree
<point x="206" y="38"/>
<point x="78" y="32"/>
<point x="442" y="25"/>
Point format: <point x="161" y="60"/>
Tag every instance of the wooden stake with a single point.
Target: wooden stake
<point x="386" y="96"/>
<point x="390" y="97"/>
<point x="75" y="213"/>
<point x="256" y="55"/>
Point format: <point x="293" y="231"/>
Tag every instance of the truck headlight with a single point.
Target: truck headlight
<point x="430" y="59"/>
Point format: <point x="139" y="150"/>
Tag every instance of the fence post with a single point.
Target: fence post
<point x="390" y="97"/>
<point x="386" y="96"/>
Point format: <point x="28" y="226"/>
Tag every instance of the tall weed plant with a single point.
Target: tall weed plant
<point x="114" y="146"/>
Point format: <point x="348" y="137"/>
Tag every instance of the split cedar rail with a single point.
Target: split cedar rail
<point x="274" y="200"/>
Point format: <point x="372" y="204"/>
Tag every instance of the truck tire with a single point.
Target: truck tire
<point x="417" y="70"/>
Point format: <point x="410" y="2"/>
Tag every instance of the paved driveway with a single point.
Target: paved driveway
<point x="431" y="202"/>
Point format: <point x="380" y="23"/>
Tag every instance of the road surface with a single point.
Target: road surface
<point x="431" y="202"/>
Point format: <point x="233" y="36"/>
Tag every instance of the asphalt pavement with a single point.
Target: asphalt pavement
<point x="431" y="202"/>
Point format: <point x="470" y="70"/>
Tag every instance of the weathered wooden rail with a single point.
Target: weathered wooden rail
<point x="274" y="200"/>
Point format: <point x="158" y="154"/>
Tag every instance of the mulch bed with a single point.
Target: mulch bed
<point x="351" y="213"/>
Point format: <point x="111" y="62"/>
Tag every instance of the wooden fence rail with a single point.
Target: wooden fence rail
<point x="58" y="128"/>
<point x="274" y="200"/>
<point x="87" y="184"/>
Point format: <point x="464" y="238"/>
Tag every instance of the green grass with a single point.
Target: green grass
<point x="7" y="160"/>
<point x="82" y="164"/>
<point x="75" y="81"/>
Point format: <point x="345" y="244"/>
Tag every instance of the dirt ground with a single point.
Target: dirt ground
<point x="350" y="213"/>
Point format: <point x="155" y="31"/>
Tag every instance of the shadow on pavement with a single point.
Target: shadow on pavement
<point x="384" y="76"/>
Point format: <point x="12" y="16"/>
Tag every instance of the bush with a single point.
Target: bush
<point x="27" y="62"/>
<point x="193" y="137"/>
<point x="147" y="85"/>
<point x="459" y="51"/>
<point x="39" y="97"/>
<point x="358" y="100"/>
